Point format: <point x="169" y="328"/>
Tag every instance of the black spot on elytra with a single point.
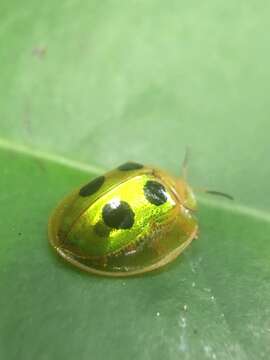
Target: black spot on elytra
<point x="101" y="229"/>
<point x="92" y="186"/>
<point x="130" y="166"/>
<point x="118" y="215"/>
<point x="155" y="192"/>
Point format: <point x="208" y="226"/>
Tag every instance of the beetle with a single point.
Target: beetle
<point x="131" y="220"/>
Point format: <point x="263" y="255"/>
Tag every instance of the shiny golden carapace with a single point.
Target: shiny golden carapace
<point x="131" y="220"/>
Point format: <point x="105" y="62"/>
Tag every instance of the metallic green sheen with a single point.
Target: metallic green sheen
<point x="158" y="232"/>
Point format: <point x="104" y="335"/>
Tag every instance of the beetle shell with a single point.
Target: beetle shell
<point x="131" y="220"/>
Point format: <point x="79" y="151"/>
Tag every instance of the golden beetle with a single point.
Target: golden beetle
<point x="131" y="220"/>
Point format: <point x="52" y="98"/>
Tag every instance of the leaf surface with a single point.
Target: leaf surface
<point x="85" y="87"/>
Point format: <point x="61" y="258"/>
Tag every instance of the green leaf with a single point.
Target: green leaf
<point x="85" y="87"/>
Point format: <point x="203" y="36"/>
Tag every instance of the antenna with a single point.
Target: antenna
<point x="217" y="193"/>
<point x="184" y="172"/>
<point x="184" y="167"/>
